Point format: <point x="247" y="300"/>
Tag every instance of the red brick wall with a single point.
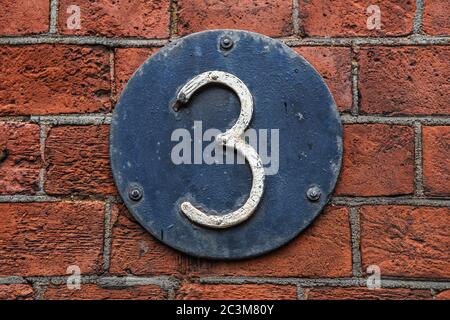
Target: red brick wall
<point x="59" y="206"/>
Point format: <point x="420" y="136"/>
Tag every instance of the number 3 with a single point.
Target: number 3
<point x="232" y="138"/>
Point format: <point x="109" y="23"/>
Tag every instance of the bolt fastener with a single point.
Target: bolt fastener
<point x="135" y="194"/>
<point x="226" y="43"/>
<point x="313" y="193"/>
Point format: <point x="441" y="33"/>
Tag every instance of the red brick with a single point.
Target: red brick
<point x="269" y="17"/>
<point x="45" y="238"/>
<point x="378" y="160"/>
<point x="349" y="18"/>
<point x="404" y="80"/>
<point x="406" y="241"/>
<point x="126" y="62"/>
<point x="77" y="160"/>
<point x="135" y="251"/>
<point x="48" y="79"/>
<point x="323" y="250"/>
<point x="436" y="160"/>
<point x="95" y="292"/>
<point x="360" y="293"/>
<point x="444" y="295"/>
<point x="119" y="18"/>
<point x="22" y="17"/>
<point x="20" y="159"/>
<point x="16" y="292"/>
<point x="193" y="291"/>
<point x="436" y="19"/>
<point x="334" y="65"/>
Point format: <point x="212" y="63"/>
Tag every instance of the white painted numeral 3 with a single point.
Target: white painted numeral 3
<point x="232" y="138"/>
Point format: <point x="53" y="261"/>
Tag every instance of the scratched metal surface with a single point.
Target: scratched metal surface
<point x="288" y="95"/>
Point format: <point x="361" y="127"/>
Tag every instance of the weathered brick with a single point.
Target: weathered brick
<point x="436" y="160"/>
<point x="436" y="19"/>
<point x="360" y="293"/>
<point x="48" y="79"/>
<point x="349" y="18"/>
<point x="77" y="161"/>
<point x="378" y="160"/>
<point x="323" y="250"/>
<point x="444" y="295"/>
<point x="95" y="292"/>
<point x="45" y="238"/>
<point x="135" y="251"/>
<point x="22" y="17"/>
<point x="194" y="291"/>
<point x="334" y="65"/>
<point x="406" y="241"/>
<point x="20" y="159"/>
<point x="269" y="17"/>
<point x="126" y="62"/>
<point x="119" y="18"/>
<point x="16" y="292"/>
<point x="404" y="80"/>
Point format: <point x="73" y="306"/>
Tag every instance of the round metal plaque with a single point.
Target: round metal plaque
<point x="225" y="144"/>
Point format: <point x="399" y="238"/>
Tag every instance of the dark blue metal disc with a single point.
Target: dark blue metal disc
<point x="288" y="94"/>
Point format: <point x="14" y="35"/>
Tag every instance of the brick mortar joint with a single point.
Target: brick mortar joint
<point x="169" y="282"/>
<point x="112" y="74"/>
<point x="355" y="233"/>
<point x="105" y="118"/>
<point x="20" y="198"/>
<point x="418" y="17"/>
<point x="354" y="80"/>
<point x="107" y="234"/>
<point x="418" y="160"/>
<point x="300" y="293"/>
<point x="37" y="289"/>
<point x="390" y="201"/>
<point x="107" y="281"/>
<point x="54" y="11"/>
<point x="401" y="120"/>
<point x="296" y="17"/>
<point x="40" y="284"/>
<point x="51" y="38"/>
<point x="440" y="284"/>
<point x="173" y="18"/>
<point x="353" y="201"/>
<point x="43" y="131"/>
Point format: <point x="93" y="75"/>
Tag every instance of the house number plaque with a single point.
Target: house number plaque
<point x="225" y="144"/>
